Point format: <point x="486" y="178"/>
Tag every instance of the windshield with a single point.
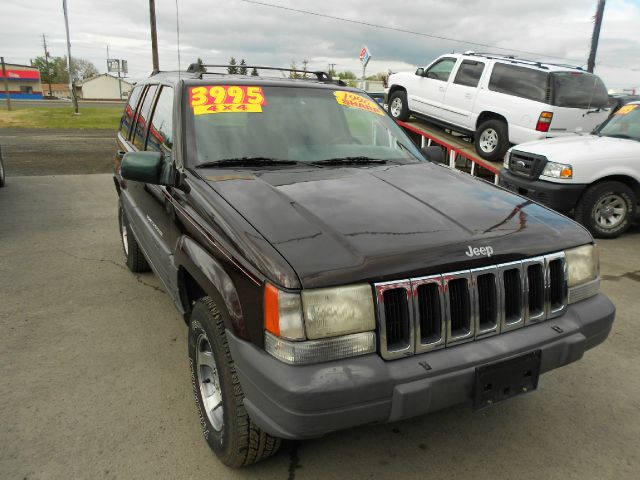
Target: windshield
<point x="625" y="123"/>
<point x="579" y="90"/>
<point x="295" y="124"/>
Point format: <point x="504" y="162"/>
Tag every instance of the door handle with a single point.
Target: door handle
<point x="468" y="95"/>
<point x="441" y="89"/>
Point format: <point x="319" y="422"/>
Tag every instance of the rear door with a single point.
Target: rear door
<point x="580" y="100"/>
<point x="460" y="94"/>
<point x="429" y="91"/>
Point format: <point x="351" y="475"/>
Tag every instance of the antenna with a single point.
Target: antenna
<point x="178" y="34"/>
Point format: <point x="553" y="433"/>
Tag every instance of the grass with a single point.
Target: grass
<point x="57" y="117"/>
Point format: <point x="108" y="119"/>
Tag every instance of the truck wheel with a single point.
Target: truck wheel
<point x="398" y="106"/>
<point x="226" y="426"/>
<point x="606" y="209"/>
<point x="133" y="256"/>
<point x="492" y="140"/>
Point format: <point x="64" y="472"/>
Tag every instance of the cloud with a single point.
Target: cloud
<point x="216" y="31"/>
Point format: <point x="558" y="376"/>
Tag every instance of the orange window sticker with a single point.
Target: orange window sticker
<point x="349" y="99"/>
<point x="226" y="99"/>
<point x="626" y="109"/>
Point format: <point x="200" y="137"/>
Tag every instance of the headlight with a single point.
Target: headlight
<point x="583" y="270"/>
<point x="557" y="170"/>
<point x="337" y="311"/>
<point x="505" y="163"/>
<point x="338" y="323"/>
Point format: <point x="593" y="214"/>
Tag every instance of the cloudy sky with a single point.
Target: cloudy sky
<point x="216" y="30"/>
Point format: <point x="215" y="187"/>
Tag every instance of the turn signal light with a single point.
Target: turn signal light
<point x="544" y="121"/>
<point x="283" y="313"/>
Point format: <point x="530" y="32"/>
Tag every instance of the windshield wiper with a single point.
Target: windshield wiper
<point x="246" y="162"/>
<point x="350" y="161"/>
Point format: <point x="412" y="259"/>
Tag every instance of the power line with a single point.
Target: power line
<point x="412" y="32"/>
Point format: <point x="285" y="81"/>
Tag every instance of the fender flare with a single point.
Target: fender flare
<point x="213" y="279"/>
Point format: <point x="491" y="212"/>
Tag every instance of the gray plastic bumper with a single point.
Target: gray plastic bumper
<point x="308" y="401"/>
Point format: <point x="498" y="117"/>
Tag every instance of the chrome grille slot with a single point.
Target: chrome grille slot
<point x="487" y="303"/>
<point x="430" y="314"/>
<point x="535" y="287"/>
<point x="396" y="312"/>
<point x="526" y="164"/>
<point x="460" y="307"/>
<point x="422" y="314"/>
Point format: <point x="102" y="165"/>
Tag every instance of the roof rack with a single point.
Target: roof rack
<point x="320" y="75"/>
<point x="514" y="59"/>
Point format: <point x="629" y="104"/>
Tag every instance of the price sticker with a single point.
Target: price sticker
<point x="349" y="99"/>
<point x="626" y="109"/>
<point x="227" y="99"/>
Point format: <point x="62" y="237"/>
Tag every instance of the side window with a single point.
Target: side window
<point x="129" y="111"/>
<point x="160" y="136"/>
<point x="140" y="129"/>
<point x="441" y="70"/>
<point x="469" y="73"/>
<point x="519" y="81"/>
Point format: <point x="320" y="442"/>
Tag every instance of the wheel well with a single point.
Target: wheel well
<point x="190" y="291"/>
<point x="630" y="182"/>
<point x="396" y="88"/>
<point x="484" y="116"/>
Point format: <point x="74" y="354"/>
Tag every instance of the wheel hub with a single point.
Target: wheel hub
<point x="209" y="382"/>
<point x="610" y="211"/>
<point x="488" y="140"/>
<point x="396" y="107"/>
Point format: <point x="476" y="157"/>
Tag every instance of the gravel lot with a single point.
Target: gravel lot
<point x="94" y="376"/>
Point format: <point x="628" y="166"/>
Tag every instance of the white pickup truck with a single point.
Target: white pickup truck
<point x="596" y="176"/>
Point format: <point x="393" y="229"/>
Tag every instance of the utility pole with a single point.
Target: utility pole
<point x="332" y="68"/>
<point x="154" y="36"/>
<point x="46" y="61"/>
<point x="6" y="84"/>
<point x="72" y="90"/>
<point x="596" y="35"/>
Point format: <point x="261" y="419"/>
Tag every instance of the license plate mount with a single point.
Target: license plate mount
<point x="506" y="379"/>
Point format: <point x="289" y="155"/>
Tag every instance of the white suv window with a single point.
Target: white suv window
<point x="441" y="70"/>
<point x="469" y="73"/>
<point x="520" y="81"/>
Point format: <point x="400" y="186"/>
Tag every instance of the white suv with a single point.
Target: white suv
<point x="500" y="100"/>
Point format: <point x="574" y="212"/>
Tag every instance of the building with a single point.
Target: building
<point x="23" y="80"/>
<point x="103" y="87"/>
<point x="59" y="90"/>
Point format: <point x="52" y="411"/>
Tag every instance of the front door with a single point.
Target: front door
<point x="429" y="90"/>
<point x="461" y="93"/>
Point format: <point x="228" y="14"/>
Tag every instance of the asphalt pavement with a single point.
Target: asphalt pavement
<point x="94" y="376"/>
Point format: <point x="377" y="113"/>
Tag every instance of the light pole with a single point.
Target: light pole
<point x="69" y="69"/>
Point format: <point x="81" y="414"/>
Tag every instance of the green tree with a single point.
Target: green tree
<point x="347" y="75"/>
<point x="232" y="69"/>
<point x="243" y="67"/>
<point x="254" y="72"/>
<point x="57" y="72"/>
<point x="294" y="67"/>
<point x="83" y="69"/>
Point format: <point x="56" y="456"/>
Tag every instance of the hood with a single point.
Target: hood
<point x="581" y="147"/>
<point x="344" y="225"/>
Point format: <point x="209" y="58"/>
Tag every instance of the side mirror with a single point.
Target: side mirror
<point x="434" y="153"/>
<point x="420" y="72"/>
<point x="147" y="167"/>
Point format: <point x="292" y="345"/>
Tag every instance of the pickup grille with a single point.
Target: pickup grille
<point x="422" y="314"/>
<point x="526" y="165"/>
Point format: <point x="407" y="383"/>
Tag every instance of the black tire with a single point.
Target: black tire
<point x="403" y="113"/>
<point x="133" y="256"/>
<point x="237" y="441"/>
<point x="492" y="140"/>
<point x="603" y="201"/>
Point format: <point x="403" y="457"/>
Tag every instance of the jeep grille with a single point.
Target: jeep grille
<point x="426" y="313"/>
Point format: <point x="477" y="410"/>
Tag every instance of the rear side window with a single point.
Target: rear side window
<point x="160" y="136"/>
<point x="129" y="111"/>
<point x="441" y="70"/>
<point x="140" y="130"/>
<point x="579" y="90"/>
<point x="520" y="81"/>
<point x="469" y="73"/>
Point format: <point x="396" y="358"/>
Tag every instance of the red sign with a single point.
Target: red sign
<point x="21" y="74"/>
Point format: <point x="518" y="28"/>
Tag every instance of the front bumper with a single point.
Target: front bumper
<point x="558" y="196"/>
<point x="308" y="401"/>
